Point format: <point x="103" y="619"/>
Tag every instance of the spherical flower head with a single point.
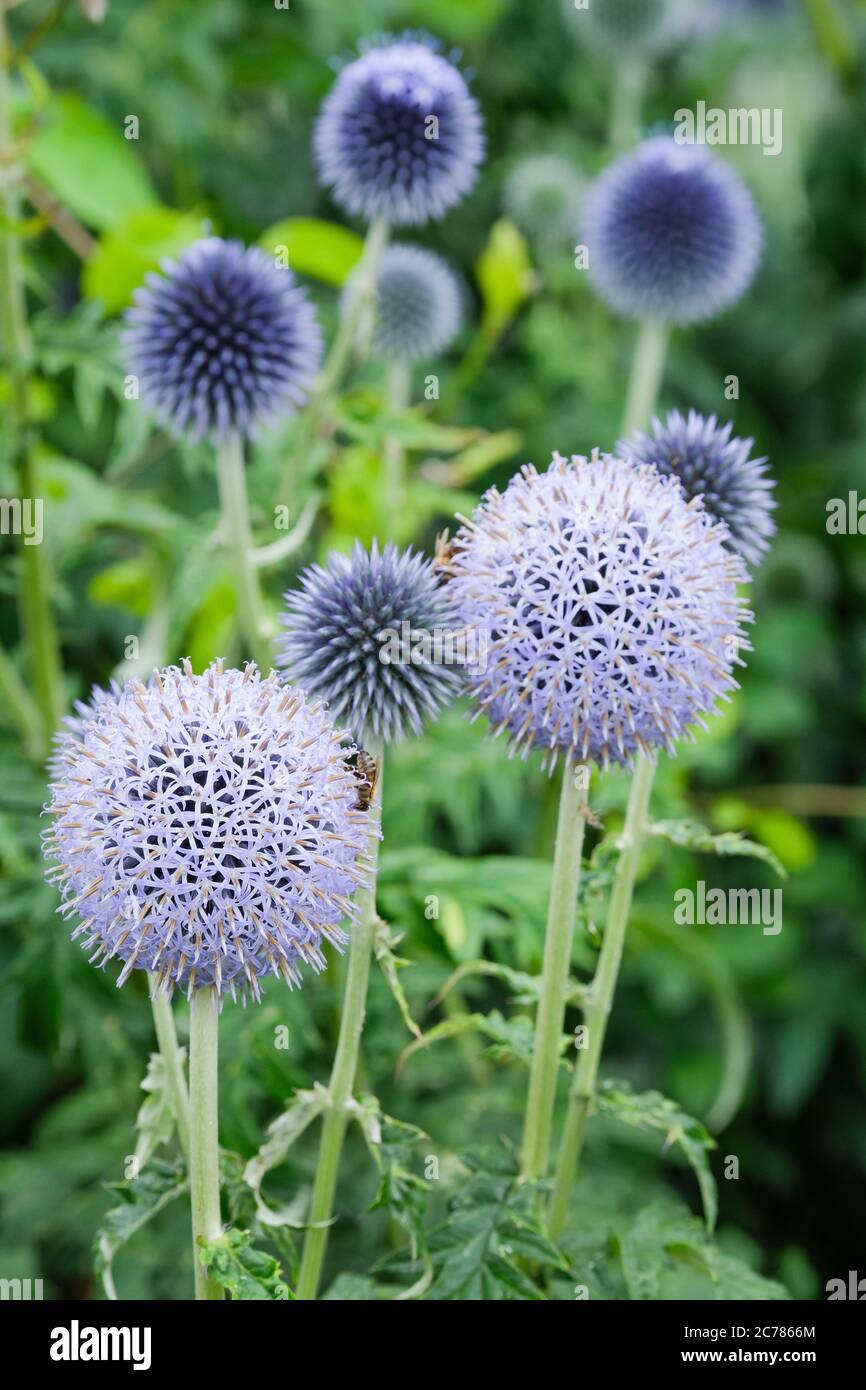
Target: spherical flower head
<point x="672" y="233"/>
<point x="399" y="136"/>
<point x="222" y="341"/>
<point x="709" y="464"/>
<point x="542" y="195"/>
<point x="418" y="304"/>
<point x="205" y="829"/>
<point x="621" y="26"/>
<point x="610" y="605"/>
<point x="362" y="632"/>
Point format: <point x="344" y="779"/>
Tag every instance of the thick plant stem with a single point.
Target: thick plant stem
<point x="629" y="83"/>
<point x="354" y="330"/>
<point x="204" y="1178"/>
<point x="397" y="394"/>
<point x="600" y="999"/>
<point x="646" y="375"/>
<point x="345" y="1066"/>
<point x="561" y="913"/>
<point x="235" y="516"/>
<point x="39" y="633"/>
<point x="166" y="1037"/>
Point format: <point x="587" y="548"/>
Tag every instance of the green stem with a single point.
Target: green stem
<point x="166" y="1037"/>
<point x="561" y="914"/>
<point x="600" y="997"/>
<point x="357" y="315"/>
<point x="204" y="1178"/>
<point x="397" y="391"/>
<point x="17" y="700"/>
<point x="38" y="625"/>
<point x="645" y="379"/>
<point x="629" y="84"/>
<point x="235" y="512"/>
<point x="345" y="1065"/>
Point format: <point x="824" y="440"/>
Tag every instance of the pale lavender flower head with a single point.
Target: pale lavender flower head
<point x="717" y="468"/>
<point x="542" y="195"/>
<point x="399" y="136"/>
<point x="610" y="605"/>
<point x="672" y="233"/>
<point x="621" y="26"/>
<point x="223" y="341"/>
<point x="205" y="829"/>
<point x="361" y="633"/>
<point x="418" y="303"/>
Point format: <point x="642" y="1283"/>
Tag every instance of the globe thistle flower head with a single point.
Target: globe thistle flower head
<point x="418" y="303"/>
<point x="611" y="609"/>
<point x="205" y="830"/>
<point x="399" y="136"/>
<point x="621" y="26"/>
<point x="719" y="469"/>
<point x="542" y="195"/>
<point x="222" y="340"/>
<point x="355" y="635"/>
<point x="672" y="233"/>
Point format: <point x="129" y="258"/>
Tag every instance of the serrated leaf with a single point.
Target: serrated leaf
<point x="492" y="1229"/>
<point x="511" y="1038"/>
<point x="650" y="1110"/>
<point x="140" y="1200"/>
<point x="155" y="1122"/>
<point x="690" y="834"/>
<point x="282" y="1133"/>
<point x="384" y="947"/>
<point x="248" y="1274"/>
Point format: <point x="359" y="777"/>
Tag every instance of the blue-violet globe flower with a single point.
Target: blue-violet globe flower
<point x="710" y="464"/>
<point x="399" y="136"/>
<point x="610" y="605"/>
<point x="672" y="233"/>
<point x="205" y="829"/>
<point x="223" y="341"/>
<point x="366" y="633"/>
<point x="417" y="303"/>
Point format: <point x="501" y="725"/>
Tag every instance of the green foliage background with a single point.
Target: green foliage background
<point x="225" y="95"/>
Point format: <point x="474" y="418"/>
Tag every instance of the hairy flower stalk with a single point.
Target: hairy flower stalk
<point x="345" y="628"/>
<point x="613" y="622"/>
<point x="205" y="831"/>
<point x="224" y="342"/>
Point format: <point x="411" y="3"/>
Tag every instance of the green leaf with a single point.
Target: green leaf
<point x="325" y="250"/>
<point x="492" y="1230"/>
<point x="690" y="834"/>
<point x="384" y="945"/>
<point x="246" y="1273"/>
<point x="88" y="165"/>
<point x="125" y="584"/>
<point x="282" y="1133"/>
<point x="155" y="1122"/>
<point x="651" y="1110"/>
<point x="512" y="1038"/>
<point x="505" y="276"/>
<point x="140" y="1199"/>
<point x="138" y="243"/>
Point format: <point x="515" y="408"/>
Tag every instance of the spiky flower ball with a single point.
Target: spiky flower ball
<point x="610" y="605"/>
<point x="710" y="464"/>
<point x="621" y="26"/>
<point x="205" y="829"/>
<point x="542" y="195"/>
<point x="417" y="306"/>
<point x="399" y="136"/>
<point x="369" y="633"/>
<point x="672" y="233"/>
<point x="222" y="341"/>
